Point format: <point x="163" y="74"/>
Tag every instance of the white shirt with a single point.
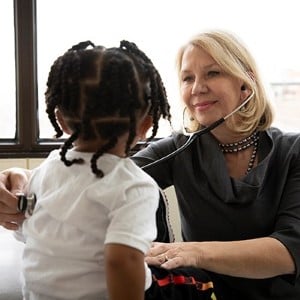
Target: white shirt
<point x="76" y="215"/>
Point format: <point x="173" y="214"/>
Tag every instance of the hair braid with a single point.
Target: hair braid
<point x="133" y="105"/>
<point x="57" y="83"/>
<point x="82" y="46"/>
<point x="110" y="144"/>
<point x="158" y="96"/>
<point x="74" y="83"/>
<point x="52" y="92"/>
<point x="67" y="145"/>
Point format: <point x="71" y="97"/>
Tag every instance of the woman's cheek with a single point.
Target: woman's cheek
<point x="185" y="95"/>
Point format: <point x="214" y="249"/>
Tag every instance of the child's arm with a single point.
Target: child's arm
<point x="125" y="272"/>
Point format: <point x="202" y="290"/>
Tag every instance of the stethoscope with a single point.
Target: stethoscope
<point x="26" y="203"/>
<point x="198" y="133"/>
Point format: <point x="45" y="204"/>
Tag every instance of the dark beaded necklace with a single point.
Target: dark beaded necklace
<point x="242" y="145"/>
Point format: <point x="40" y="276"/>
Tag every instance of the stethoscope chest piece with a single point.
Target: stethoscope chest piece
<point x="26" y="203"/>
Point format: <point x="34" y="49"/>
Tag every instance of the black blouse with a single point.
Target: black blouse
<point x="215" y="207"/>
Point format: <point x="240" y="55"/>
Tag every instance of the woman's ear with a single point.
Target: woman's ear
<point x="62" y="122"/>
<point x="144" y="126"/>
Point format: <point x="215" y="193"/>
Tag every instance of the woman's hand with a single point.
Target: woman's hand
<point x="255" y="258"/>
<point x="173" y="255"/>
<point x="12" y="181"/>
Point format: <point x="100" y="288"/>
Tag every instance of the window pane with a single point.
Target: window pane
<point x="7" y="71"/>
<point x="160" y="28"/>
<point x="105" y="23"/>
<point x="287" y="103"/>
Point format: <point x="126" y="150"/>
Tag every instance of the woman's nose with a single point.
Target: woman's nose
<point x="199" y="87"/>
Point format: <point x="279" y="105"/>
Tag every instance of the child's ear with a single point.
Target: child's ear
<point x="144" y="126"/>
<point x="62" y="122"/>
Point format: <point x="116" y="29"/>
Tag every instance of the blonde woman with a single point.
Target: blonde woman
<point x="238" y="187"/>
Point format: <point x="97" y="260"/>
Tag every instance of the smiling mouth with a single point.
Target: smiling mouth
<point x="204" y="105"/>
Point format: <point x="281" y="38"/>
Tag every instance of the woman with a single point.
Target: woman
<point x="238" y="187"/>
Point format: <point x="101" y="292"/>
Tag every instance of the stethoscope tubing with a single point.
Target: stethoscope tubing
<point x="196" y="134"/>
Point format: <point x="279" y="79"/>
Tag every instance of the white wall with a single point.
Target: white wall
<point x="28" y="163"/>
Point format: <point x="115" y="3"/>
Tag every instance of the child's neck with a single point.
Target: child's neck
<point x="94" y="145"/>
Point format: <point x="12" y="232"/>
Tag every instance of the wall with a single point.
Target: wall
<point x="20" y="162"/>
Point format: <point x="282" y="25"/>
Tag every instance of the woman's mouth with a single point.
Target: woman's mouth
<point x="202" y="106"/>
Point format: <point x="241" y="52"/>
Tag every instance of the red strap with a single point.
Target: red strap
<point x="180" y="279"/>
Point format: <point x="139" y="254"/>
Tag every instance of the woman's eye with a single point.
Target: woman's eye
<point x="213" y="73"/>
<point x="187" y="78"/>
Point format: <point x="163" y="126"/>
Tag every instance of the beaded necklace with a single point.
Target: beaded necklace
<point x="242" y="145"/>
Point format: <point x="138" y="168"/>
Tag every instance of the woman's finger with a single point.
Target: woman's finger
<point x="172" y="263"/>
<point x="15" y="218"/>
<point x="10" y="225"/>
<point x="155" y="260"/>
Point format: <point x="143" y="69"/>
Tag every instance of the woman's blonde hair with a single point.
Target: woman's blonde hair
<point x="232" y="56"/>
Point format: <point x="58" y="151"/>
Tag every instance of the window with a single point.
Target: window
<point x="23" y="141"/>
<point x="286" y="97"/>
<point x="45" y="29"/>
<point x="7" y="71"/>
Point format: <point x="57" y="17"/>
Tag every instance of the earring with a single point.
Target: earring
<point x="189" y="123"/>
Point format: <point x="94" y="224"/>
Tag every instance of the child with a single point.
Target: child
<point x="95" y="213"/>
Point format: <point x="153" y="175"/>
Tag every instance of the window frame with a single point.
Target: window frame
<point x="26" y="143"/>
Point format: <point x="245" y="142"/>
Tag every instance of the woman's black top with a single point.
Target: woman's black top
<point x="215" y="207"/>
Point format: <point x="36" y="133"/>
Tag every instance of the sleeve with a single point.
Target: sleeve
<point x="161" y="172"/>
<point x="133" y="217"/>
<point x="287" y="226"/>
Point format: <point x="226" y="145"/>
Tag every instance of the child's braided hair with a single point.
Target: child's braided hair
<point x="100" y="92"/>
